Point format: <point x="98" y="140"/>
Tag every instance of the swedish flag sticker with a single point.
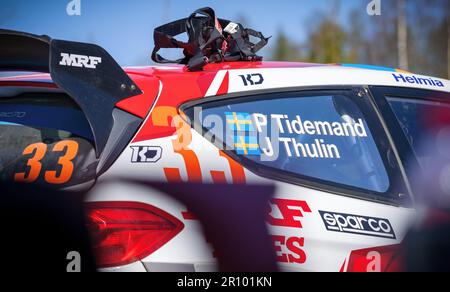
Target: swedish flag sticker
<point x="246" y="145"/>
<point x="241" y="122"/>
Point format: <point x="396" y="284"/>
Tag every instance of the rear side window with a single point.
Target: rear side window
<point x="320" y="137"/>
<point x="413" y="115"/>
<point x="45" y="139"/>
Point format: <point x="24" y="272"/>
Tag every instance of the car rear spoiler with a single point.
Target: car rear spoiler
<point x="86" y="72"/>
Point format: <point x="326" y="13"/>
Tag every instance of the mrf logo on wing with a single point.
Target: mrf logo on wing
<point x="80" y="61"/>
<point x="356" y="224"/>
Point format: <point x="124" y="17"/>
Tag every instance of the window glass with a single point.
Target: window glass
<point x="321" y="137"/>
<point x="412" y="115"/>
<point x="46" y="139"/>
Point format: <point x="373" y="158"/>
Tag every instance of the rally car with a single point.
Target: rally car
<point x="340" y="143"/>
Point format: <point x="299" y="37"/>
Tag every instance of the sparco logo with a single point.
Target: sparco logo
<point x="146" y="154"/>
<point x="356" y="224"/>
<point x="80" y="61"/>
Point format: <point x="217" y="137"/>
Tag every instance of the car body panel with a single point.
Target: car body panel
<point x="323" y="250"/>
<point x="312" y="246"/>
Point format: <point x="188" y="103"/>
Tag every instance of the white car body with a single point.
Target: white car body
<point x="323" y="250"/>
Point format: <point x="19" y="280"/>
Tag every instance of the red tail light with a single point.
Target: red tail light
<point x="125" y="232"/>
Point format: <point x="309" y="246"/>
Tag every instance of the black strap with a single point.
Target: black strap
<point x="211" y="40"/>
<point x="164" y="37"/>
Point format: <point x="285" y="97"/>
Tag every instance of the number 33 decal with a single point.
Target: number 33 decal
<point x="50" y="176"/>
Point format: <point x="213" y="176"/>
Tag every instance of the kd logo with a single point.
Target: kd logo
<point x="146" y="154"/>
<point x="74" y="8"/>
<point x="374" y="8"/>
<point x="252" y="79"/>
<point x="74" y="266"/>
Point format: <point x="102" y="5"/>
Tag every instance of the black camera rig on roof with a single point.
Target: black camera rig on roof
<point x="211" y="40"/>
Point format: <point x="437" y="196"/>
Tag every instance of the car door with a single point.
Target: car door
<point x="341" y="202"/>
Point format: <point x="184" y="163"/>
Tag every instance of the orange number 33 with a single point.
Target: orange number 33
<point x="51" y="177"/>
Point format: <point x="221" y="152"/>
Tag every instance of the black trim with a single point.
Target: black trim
<point x="125" y="126"/>
<point x="391" y="196"/>
<point x="96" y="90"/>
<point x="24" y="51"/>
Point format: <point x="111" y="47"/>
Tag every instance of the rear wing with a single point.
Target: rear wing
<point x="86" y="72"/>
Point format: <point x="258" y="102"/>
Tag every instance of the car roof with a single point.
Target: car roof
<point x="280" y="75"/>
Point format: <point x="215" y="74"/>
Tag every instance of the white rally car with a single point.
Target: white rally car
<point x="340" y="143"/>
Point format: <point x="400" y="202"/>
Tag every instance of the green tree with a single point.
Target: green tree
<point x="327" y="43"/>
<point x="429" y="40"/>
<point x="356" y="37"/>
<point x="285" y="50"/>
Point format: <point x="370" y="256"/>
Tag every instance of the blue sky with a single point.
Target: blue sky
<point x="125" y="28"/>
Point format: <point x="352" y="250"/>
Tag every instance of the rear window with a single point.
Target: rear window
<point x="45" y="139"/>
<point x="323" y="138"/>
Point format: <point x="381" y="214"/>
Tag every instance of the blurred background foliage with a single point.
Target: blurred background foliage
<point x="377" y="40"/>
<point x="412" y="35"/>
